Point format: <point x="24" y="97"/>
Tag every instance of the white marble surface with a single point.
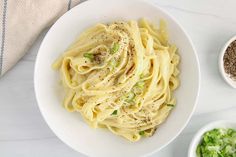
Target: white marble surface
<point x="23" y="132"/>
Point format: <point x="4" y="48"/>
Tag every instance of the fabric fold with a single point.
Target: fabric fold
<point x="21" y="21"/>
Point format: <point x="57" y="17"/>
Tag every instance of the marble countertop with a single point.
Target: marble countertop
<point x="210" y="23"/>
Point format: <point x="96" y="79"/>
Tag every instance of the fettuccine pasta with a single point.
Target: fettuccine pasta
<point x="121" y="76"/>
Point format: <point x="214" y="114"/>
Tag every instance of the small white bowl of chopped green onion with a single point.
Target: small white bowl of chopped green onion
<point x="216" y="139"/>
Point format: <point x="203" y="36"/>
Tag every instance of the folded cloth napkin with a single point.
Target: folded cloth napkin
<point x="21" y="21"/>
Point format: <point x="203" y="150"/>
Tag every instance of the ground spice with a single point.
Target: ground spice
<point x="230" y="60"/>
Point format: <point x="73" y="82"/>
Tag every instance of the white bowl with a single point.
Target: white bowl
<point x="225" y="76"/>
<point x="199" y="135"/>
<point x="70" y="127"/>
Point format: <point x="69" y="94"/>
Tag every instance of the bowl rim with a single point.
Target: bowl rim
<point x="224" y="75"/>
<point x="194" y="53"/>
<point x="207" y="127"/>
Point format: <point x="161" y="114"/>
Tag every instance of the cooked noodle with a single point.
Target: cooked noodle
<point x="121" y="76"/>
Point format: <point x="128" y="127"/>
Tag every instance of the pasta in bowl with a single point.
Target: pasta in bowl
<point x="71" y="127"/>
<point x="121" y="76"/>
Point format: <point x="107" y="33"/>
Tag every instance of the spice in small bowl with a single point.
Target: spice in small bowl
<point x="227" y="62"/>
<point x="230" y="60"/>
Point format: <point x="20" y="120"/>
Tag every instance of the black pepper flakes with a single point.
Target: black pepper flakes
<point x="230" y="60"/>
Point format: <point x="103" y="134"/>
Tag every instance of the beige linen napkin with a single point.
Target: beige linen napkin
<point x="21" y="21"/>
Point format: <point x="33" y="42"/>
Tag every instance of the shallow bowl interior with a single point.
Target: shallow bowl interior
<point x="70" y="127"/>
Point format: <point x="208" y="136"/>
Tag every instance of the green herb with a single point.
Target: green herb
<point x="217" y="143"/>
<point x="130" y="97"/>
<point x="142" y="133"/>
<point x="113" y="64"/>
<point x="140" y="84"/>
<point x="170" y="105"/>
<point x="90" y="56"/>
<point x="138" y="87"/>
<point x="137" y="90"/>
<point x="142" y="76"/>
<point x="198" y="151"/>
<point x="115" y="48"/>
<point x="114" y="112"/>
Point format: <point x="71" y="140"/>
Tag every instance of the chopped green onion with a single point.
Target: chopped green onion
<point x="142" y="76"/>
<point x="113" y="64"/>
<point x="115" y="48"/>
<point x="217" y="143"/>
<point x="198" y="151"/>
<point x="170" y="105"/>
<point x="140" y="84"/>
<point x="114" y="112"/>
<point x="137" y="90"/>
<point x="130" y="97"/>
<point x="90" y="56"/>
<point x="142" y="133"/>
<point x="231" y="132"/>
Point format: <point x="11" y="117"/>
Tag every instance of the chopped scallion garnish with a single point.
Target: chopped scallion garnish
<point x="142" y="133"/>
<point x="115" y="48"/>
<point x="90" y="56"/>
<point x="170" y="105"/>
<point x="130" y="97"/>
<point x="140" y="84"/>
<point x="114" y="112"/>
<point x="113" y="64"/>
<point x="142" y="76"/>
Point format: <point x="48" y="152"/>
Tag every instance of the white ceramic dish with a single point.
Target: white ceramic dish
<point x="225" y="76"/>
<point x="70" y="127"/>
<point x="197" y="138"/>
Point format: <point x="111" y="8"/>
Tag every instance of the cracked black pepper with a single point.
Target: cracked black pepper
<point x="230" y="60"/>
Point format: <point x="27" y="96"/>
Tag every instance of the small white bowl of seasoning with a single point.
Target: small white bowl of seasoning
<point x="227" y="62"/>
